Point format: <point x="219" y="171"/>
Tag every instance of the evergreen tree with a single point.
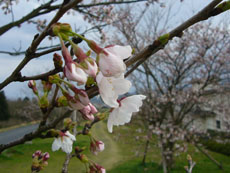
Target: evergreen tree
<point x="4" y="111"/>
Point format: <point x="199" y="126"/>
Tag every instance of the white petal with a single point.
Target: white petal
<point x="92" y="69"/>
<point x="112" y="120"/>
<point x="121" y="86"/>
<point x="67" y="148"/>
<point x="56" y="144"/>
<point x="110" y="126"/>
<point x="99" y="77"/>
<point x="122" y="51"/>
<point x="72" y="137"/>
<point x="107" y="91"/>
<point x="76" y="74"/>
<point x="132" y="103"/>
<point x="123" y="114"/>
<point x="111" y="65"/>
<point x="67" y="144"/>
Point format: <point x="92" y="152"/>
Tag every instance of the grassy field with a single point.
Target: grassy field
<point x="123" y="154"/>
<point x="18" y="159"/>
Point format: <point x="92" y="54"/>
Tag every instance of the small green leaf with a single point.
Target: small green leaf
<point x="164" y="38"/>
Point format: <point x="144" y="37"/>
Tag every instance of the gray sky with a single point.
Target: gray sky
<point x="21" y="38"/>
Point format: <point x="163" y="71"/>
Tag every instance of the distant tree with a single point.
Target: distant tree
<point x="26" y="99"/>
<point x="4" y="111"/>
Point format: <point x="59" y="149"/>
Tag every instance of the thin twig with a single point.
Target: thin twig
<point x="66" y="163"/>
<point x="32" y="14"/>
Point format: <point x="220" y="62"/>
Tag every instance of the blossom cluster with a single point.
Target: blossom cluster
<point x="106" y="72"/>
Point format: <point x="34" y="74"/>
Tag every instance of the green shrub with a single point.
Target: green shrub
<point x="223" y="148"/>
<point x="219" y="134"/>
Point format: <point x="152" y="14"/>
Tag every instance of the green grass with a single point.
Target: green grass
<point x="123" y="154"/>
<point x="19" y="158"/>
<point x="132" y="151"/>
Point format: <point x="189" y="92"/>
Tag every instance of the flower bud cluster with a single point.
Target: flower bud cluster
<point x="42" y="100"/>
<point x="39" y="160"/>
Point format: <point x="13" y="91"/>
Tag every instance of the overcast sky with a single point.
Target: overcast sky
<point x="21" y="38"/>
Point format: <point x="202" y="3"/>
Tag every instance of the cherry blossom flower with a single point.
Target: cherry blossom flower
<point x="110" y="58"/>
<point x="88" y="111"/>
<point x="75" y="73"/>
<point x="64" y="141"/>
<point x="96" y="146"/>
<point x="122" y="114"/>
<point x="110" y="88"/>
<point x="88" y="64"/>
<point x="72" y="70"/>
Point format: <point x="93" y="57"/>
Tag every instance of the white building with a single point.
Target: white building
<point x="205" y="120"/>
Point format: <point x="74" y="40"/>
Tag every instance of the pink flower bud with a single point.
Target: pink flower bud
<point x="31" y="84"/>
<point x="46" y="156"/>
<point x="86" y="113"/>
<point x="81" y="94"/>
<point x="90" y="67"/>
<point x="72" y="70"/>
<point x="38" y="153"/>
<point x="95" y="168"/>
<point x="100" y="168"/>
<point x="75" y="73"/>
<point x="100" y="146"/>
<point x="93" y="108"/>
<point x="96" y="147"/>
<point x="78" y="52"/>
<point x="93" y="45"/>
<point x="76" y="104"/>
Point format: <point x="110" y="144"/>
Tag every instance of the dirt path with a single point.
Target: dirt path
<point x="111" y="155"/>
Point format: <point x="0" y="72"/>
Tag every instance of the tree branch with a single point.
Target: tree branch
<point x="42" y="76"/>
<point x="30" y="53"/>
<point x="36" y="12"/>
<point x="143" y="55"/>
